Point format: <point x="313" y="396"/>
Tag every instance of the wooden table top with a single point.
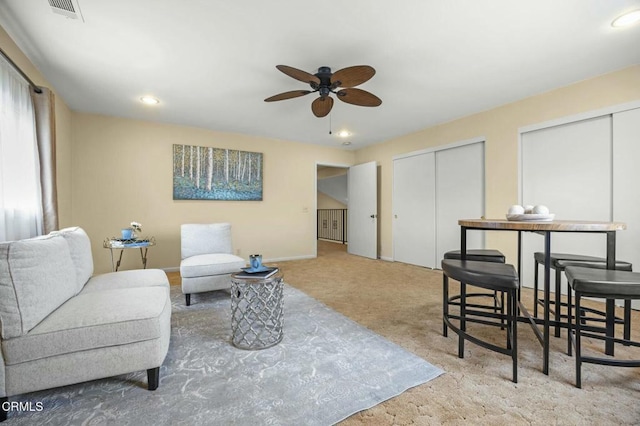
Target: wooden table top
<point x="554" y="225"/>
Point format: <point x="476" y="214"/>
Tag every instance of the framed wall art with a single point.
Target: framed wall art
<point x="206" y="173"/>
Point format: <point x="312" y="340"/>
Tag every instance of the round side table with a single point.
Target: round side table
<point x="256" y="311"/>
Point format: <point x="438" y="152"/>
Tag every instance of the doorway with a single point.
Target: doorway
<point x="331" y="209"/>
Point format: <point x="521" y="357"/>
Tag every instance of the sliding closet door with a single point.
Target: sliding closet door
<point x="431" y="191"/>
<point x="626" y="176"/>
<point x="459" y="195"/>
<point x="568" y="169"/>
<point x="413" y="209"/>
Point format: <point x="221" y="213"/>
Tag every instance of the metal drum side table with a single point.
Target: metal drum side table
<point x="256" y="311"/>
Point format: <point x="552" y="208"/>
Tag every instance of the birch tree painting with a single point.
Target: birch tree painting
<point x="206" y="173"/>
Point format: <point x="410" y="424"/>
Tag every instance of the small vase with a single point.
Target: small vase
<point x="255" y="260"/>
<point x="127" y="234"/>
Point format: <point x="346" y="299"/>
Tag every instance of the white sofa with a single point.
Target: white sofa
<point x="60" y="325"/>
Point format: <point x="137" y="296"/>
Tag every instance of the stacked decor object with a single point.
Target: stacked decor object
<point x="528" y="212"/>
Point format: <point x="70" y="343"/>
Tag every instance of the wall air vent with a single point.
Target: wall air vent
<point x="68" y="8"/>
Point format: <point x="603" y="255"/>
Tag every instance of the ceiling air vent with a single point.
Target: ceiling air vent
<point x="68" y="8"/>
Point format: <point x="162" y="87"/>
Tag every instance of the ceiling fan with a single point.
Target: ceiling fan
<point x="341" y="83"/>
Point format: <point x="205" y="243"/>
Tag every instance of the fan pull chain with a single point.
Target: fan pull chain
<point x="329" y="123"/>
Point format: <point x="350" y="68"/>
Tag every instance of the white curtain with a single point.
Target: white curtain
<point x="20" y="191"/>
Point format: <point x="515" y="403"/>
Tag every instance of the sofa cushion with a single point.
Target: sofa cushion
<point x="211" y="264"/>
<point x="93" y="320"/>
<point x="80" y="249"/>
<point x="127" y="279"/>
<point x="36" y="277"/>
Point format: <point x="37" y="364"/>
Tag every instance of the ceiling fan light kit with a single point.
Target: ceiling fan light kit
<point x="324" y="82"/>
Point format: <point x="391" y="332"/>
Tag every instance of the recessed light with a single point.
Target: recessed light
<point x="346" y="143"/>
<point x="344" y="133"/>
<point x="149" y="100"/>
<point x="627" y="19"/>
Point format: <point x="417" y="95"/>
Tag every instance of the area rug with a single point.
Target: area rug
<point x="326" y="368"/>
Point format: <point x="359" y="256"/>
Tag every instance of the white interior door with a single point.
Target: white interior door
<point x="626" y="174"/>
<point x="414" y="216"/>
<point x="459" y="195"/>
<point x="568" y="169"/>
<point x="362" y="216"/>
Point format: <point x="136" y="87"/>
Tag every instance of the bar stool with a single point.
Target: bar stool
<point x="498" y="277"/>
<point x="481" y="255"/>
<point x="559" y="261"/>
<point x="607" y="284"/>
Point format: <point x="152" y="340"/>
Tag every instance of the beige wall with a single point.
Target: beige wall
<point x="63" y="128"/>
<point x="500" y="127"/>
<point x="326" y="202"/>
<point x="122" y="171"/>
<point x="328" y="171"/>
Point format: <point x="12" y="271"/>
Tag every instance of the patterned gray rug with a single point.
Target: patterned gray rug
<point x="326" y="368"/>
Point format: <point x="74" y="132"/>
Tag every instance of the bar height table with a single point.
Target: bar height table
<point x="546" y="228"/>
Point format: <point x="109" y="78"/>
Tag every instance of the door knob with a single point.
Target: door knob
<point x="373" y="216"/>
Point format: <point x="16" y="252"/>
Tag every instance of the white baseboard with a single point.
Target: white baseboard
<point x="388" y="259"/>
<point x="284" y="259"/>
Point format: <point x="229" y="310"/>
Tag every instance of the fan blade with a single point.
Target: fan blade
<point x="303" y="76"/>
<point x="322" y="106"/>
<point x="359" y="97"/>
<point x="352" y="76"/>
<point x="287" y="95"/>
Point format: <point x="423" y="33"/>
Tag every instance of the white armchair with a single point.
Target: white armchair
<point x="207" y="258"/>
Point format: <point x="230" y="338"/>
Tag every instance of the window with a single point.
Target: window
<point x="20" y="192"/>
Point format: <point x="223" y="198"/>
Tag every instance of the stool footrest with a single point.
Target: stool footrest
<point x="594" y="311"/>
<point x="589" y="333"/>
<point x="481" y="321"/>
<point x="497" y="303"/>
<point x="613" y="362"/>
<point x="477" y="341"/>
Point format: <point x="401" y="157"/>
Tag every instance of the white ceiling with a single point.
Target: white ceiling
<point x="212" y="62"/>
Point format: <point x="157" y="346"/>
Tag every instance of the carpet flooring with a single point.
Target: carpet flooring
<point x="326" y="368"/>
<point x="404" y="304"/>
